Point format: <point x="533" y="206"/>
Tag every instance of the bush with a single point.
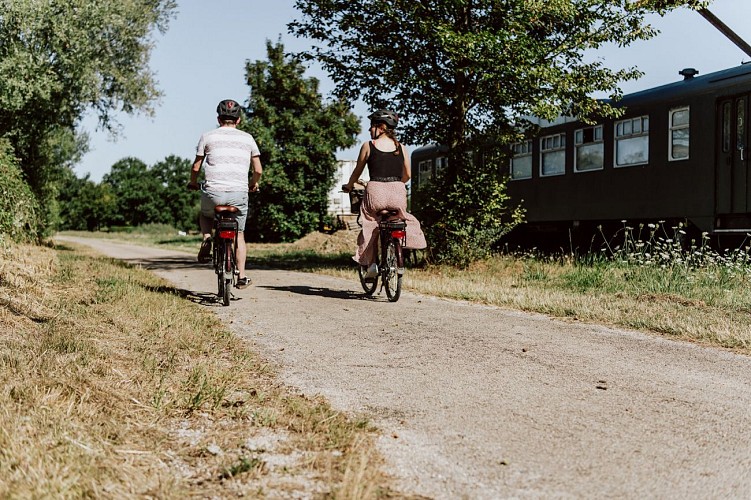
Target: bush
<point x="19" y="210"/>
<point x="463" y="222"/>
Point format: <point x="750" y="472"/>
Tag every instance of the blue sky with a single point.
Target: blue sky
<point x="200" y="61"/>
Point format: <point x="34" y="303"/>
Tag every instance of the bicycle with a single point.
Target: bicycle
<point x="392" y="234"/>
<point x="224" y="246"/>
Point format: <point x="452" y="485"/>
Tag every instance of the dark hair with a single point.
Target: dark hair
<point x="229" y="109"/>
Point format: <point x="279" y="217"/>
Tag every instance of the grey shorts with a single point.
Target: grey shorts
<point x="209" y="199"/>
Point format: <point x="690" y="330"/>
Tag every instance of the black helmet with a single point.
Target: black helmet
<point x="390" y="118"/>
<point x="229" y="109"/>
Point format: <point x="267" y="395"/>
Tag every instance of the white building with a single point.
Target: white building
<point x="338" y="201"/>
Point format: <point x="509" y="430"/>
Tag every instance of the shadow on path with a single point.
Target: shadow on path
<point x="167" y="263"/>
<point x="203" y="298"/>
<point x="320" y="292"/>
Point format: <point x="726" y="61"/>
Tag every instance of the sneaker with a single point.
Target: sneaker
<point x="204" y="254"/>
<point x="243" y="283"/>
<point x="372" y="271"/>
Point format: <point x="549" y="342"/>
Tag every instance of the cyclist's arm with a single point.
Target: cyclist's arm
<point x="255" y="163"/>
<point x="407" y="167"/>
<point x="194" y="172"/>
<point x="362" y="160"/>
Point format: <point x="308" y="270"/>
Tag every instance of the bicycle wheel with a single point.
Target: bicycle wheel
<point x="392" y="280"/>
<point x="228" y="272"/>
<point x="368" y="284"/>
<point x="219" y="266"/>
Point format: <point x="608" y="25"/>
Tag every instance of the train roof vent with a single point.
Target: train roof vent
<point x="688" y="73"/>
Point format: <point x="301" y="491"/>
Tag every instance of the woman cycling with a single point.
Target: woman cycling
<point x="389" y="169"/>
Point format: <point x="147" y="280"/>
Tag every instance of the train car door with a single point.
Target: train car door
<point x="732" y="176"/>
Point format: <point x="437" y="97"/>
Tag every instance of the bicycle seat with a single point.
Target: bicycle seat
<point x="388" y="212"/>
<point x="225" y="210"/>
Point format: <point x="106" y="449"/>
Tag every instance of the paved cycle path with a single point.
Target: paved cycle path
<point x="482" y="402"/>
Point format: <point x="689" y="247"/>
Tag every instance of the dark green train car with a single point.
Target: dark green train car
<point x="680" y="153"/>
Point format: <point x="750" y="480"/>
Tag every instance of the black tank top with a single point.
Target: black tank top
<point x="386" y="166"/>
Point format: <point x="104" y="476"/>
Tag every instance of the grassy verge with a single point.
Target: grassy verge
<point x="112" y="385"/>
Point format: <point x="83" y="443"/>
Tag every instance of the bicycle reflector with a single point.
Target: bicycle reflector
<point x="399" y="234"/>
<point x="227" y="235"/>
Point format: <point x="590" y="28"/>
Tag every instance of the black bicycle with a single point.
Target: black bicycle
<point x="392" y="234"/>
<point x="224" y="244"/>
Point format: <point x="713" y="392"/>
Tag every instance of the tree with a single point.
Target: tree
<point x="173" y="173"/>
<point x="298" y="135"/>
<point x="59" y="58"/>
<point x="462" y="72"/>
<point x="138" y="193"/>
<point x="84" y="204"/>
<point x="19" y="211"/>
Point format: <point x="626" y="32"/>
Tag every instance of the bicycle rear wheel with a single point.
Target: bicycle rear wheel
<point x="392" y="280"/>
<point x="219" y="267"/>
<point x="228" y="272"/>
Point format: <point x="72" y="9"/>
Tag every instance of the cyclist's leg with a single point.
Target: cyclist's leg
<point x="241" y="254"/>
<point x="206" y="222"/>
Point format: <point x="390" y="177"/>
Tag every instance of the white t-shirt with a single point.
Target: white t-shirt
<point x="227" y="152"/>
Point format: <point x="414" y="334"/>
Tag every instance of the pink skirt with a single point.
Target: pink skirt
<point x="380" y="196"/>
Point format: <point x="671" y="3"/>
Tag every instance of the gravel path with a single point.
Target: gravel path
<point x="481" y="402"/>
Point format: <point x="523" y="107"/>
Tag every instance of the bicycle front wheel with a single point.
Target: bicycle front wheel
<point x="392" y="279"/>
<point x="368" y="284"/>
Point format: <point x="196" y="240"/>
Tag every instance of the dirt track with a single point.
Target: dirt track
<point x="480" y="402"/>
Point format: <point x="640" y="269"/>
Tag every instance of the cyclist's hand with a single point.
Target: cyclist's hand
<point x="347" y="188"/>
<point x="192" y="186"/>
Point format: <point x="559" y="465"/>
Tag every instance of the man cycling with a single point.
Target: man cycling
<point x="226" y="154"/>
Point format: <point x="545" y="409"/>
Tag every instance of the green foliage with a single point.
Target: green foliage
<point x="460" y="70"/>
<point x="469" y="215"/>
<point x="455" y="69"/>
<point x="298" y="135"/>
<point x="84" y="204"/>
<point x="179" y="205"/>
<point x="131" y="194"/>
<point x="19" y="212"/>
<point x="59" y="58"/>
<point x="137" y="193"/>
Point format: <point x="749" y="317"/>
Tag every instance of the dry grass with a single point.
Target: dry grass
<point x="112" y="385"/>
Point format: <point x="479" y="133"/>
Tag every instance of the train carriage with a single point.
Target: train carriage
<point x="679" y="153"/>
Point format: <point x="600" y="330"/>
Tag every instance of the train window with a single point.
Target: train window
<point x="553" y="155"/>
<point x="679" y="134"/>
<point x="726" y="124"/>
<point x="425" y="169"/>
<point x="521" y="161"/>
<point x="440" y="164"/>
<point x="632" y="141"/>
<point x="740" y="127"/>
<point x="590" y="150"/>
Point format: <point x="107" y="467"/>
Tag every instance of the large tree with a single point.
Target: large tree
<point x="298" y="135"/>
<point x="59" y="58"/>
<point x="138" y="193"/>
<point x="461" y="72"/>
